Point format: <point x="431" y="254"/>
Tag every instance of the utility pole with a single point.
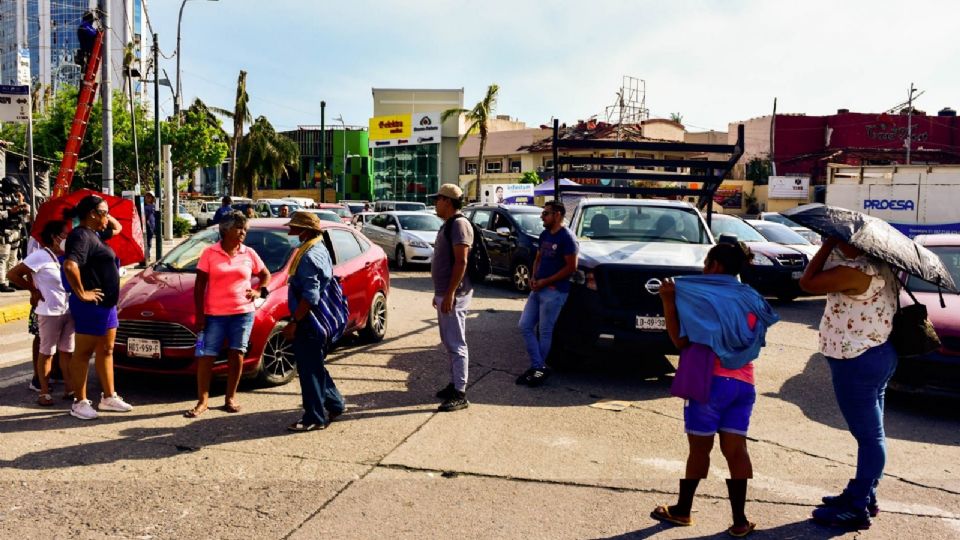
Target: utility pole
<point x="156" y="127"/>
<point x="909" y="141"/>
<point x="107" y="100"/>
<point x="323" y="151"/>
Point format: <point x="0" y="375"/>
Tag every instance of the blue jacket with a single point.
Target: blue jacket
<point x="713" y="311"/>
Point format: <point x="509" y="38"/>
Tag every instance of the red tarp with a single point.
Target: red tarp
<point x="128" y="245"/>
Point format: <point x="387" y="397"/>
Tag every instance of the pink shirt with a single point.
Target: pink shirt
<point x="744" y="373"/>
<point x="229" y="279"/>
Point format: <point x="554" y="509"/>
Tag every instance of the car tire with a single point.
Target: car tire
<point x="400" y="258"/>
<point x="277" y="365"/>
<point x="376" y="327"/>
<point x="520" y="277"/>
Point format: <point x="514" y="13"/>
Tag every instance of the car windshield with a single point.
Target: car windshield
<point x="342" y="211"/>
<point x="731" y="225"/>
<point x="777" y="218"/>
<point x="812" y="236"/>
<point x="327" y="215"/>
<point x="274" y="247"/>
<point x="410" y="206"/>
<point x="530" y="222"/>
<point x="275" y="208"/>
<point x="642" y="223"/>
<point x="780" y="234"/>
<point x="419" y="222"/>
<point x="950" y="255"/>
<point x="355" y="208"/>
<point x="182" y="209"/>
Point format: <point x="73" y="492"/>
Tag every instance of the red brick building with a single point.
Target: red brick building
<point x="803" y="145"/>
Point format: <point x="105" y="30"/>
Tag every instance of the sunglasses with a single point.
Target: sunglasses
<point x="101" y="213"/>
<point x="547" y="212"/>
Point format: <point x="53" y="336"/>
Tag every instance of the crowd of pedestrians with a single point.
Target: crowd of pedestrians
<point x="717" y="323"/>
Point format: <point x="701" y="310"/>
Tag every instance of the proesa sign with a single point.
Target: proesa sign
<point x="888" y="204"/>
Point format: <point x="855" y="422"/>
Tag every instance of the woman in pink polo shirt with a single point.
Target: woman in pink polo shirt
<point x="224" y="297"/>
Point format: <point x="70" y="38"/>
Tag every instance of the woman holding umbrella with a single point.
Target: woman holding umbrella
<point x="854" y="332"/>
<point x="92" y="270"/>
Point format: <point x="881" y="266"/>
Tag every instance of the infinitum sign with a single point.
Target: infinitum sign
<point x="405" y="130"/>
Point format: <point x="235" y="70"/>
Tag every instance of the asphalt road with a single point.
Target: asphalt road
<point x="519" y="463"/>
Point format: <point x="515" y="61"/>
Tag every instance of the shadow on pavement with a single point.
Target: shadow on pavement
<point x="905" y="417"/>
<point x="794" y="531"/>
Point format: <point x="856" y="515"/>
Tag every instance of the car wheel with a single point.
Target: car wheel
<point x="520" y="277"/>
<point x="376" y="326"/>
<point x="400" y="259"/>
<point x="277" y="365"/>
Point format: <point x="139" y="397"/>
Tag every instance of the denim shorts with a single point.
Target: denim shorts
<point x="729" y="408"/>
<point x="232" y="330"/>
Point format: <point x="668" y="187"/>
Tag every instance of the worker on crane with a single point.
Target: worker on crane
<point x="87" y="36"/>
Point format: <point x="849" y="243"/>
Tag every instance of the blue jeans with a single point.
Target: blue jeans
<point x="232" y="329"/>
<point x="318" y="390"/>
<point x="541" y="310"/>
<point x="859" y="384"/>
<point x="453" y="336"/>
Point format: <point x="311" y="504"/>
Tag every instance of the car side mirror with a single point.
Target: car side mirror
<point x="504" y="232"/>
<point x="392" y="227"/>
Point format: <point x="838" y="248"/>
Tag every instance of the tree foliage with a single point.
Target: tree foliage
<point x="531" y="177"/>
<point x="264" y="154"/>
<point x="478" y="120"/>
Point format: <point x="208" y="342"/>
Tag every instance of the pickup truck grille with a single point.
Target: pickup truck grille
<point x="170" y="334"/>
<point x="797" y="260"/>
<point x="624" y="287"/>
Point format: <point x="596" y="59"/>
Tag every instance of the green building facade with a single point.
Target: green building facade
<point x="347" y="167"/>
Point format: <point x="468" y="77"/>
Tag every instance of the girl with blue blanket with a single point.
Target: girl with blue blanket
<point x="716" y="319"/>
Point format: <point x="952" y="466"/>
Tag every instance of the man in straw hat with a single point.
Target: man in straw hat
<point x="452" y="291"/>
<point x="310" y="272"/>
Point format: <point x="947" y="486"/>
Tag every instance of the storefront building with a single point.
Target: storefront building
<point x="346" y="156"/>
<point x="413" y="151"/>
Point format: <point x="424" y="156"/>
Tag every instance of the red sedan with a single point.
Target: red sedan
<point x="157" y="330"/>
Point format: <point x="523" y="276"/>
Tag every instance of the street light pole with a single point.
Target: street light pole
<point x="178" y="99"/>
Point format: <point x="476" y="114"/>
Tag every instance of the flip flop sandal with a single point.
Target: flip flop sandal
<point x="300" y="427"/>
<point x="662" y="513"/>
<point x="231" y="407"/>
<point x="195" y="412"/>
<point x="45" y="400"/>
<point x="739" y="531"/>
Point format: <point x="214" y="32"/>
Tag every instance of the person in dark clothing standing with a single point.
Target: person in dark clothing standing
<point x="224" y="209"/>
<point x="150" y="219"/>
<point x="87" y="36"/>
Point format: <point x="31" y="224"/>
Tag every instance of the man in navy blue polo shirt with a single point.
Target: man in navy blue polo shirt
<point x="549" y="286"/>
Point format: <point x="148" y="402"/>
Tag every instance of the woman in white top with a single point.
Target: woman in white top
<point x="40" y="274"/>
<point x="854" y="333"/>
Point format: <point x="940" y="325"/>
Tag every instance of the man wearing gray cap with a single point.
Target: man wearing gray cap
<point x="452" y="291"/>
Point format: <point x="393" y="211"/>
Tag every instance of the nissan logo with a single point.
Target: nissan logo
<point x="653" y="285"/>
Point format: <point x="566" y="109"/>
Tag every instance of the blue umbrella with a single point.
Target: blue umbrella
<point x="876" y="238"/>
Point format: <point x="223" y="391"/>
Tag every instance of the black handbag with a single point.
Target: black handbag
<point x="913" y="334"/>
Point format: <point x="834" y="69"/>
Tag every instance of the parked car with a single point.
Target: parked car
<point x="511" y="234"/>
<point x="324" y="215"/>
<point x="183" y="214"/>
<point x="157" y="331"/>
<point x="205" y="213"/>
<point x="340" y="209"/>
<point x="937" y="373"/>
<point x="271" y="207"/>
<point x="406" y="237"/>
<point x="627" y="248"/>
<point x="775" y="270"/>
<point x="405" y="206"/>
<point x="360" y="219"/>
<point x="302" y="202"/>
<point x="809" y="234"/>
<point x="781" y="234"/>
<point x="357" y="206"/>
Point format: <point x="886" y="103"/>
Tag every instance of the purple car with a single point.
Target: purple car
<point x="937" y="373"/>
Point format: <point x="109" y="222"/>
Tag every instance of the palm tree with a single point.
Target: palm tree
<point x="265" y="153"/>
<point x="676" y="117"/>
<point x="479" y="121"/>
<point x="240" y="115"/>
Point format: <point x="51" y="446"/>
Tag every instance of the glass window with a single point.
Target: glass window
<point x="642" y="223"/>
<point x="530" y="222"/>
<point x="411" y="206"/>
<point x="420" y="222"/>
<point x="780" y="234"/>
<point x="500" y="220"/>
<point x="515" y="166"/>
<point x="494" y="166"/>
<point x="345" y="245"/>
<point x="731" y="225"/>
<point x="950" y="255"/>
<point x="379" y="220"/>
<point x="481" y="218"/>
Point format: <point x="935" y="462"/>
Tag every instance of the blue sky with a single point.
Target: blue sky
<point x="712" y="61"/>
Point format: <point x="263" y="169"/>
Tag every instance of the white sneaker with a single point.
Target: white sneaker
<point x="83" y="409"/>
<point x="113" y="403"/>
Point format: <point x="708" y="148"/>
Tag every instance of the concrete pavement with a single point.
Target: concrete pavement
<point x="519" y="463"/>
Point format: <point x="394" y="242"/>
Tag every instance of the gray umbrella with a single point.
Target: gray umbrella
<point x="876" y="238"/>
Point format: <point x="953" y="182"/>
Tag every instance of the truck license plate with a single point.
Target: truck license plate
<point x="651" y="323"/>
<point x="796" y="275"/>
<point x="145" y="348"/>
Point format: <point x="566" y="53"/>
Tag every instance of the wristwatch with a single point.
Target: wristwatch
<point x="264" y="292"/>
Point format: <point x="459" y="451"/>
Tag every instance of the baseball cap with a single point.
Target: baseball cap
<point x="450" y="191"/>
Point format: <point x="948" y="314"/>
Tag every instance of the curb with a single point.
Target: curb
<point x="14" y="312"/>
